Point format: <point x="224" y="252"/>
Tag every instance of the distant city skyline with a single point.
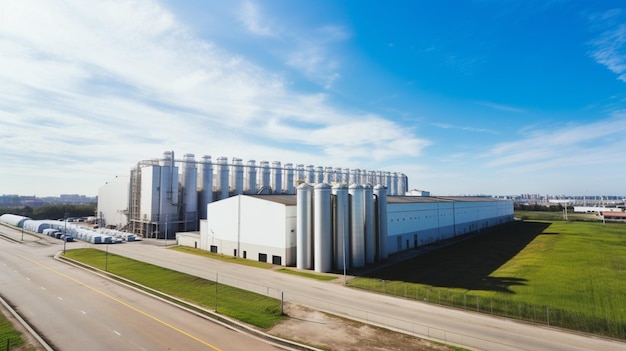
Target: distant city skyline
<point x="464" y="97"/>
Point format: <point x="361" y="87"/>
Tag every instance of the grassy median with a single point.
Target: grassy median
<point x="255" y="309"/>
<point x="567" y="274"/>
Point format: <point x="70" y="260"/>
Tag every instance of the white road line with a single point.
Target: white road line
<point x="118" y="333"/>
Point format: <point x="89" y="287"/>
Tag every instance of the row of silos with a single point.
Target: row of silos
<point x="340" y="226"/>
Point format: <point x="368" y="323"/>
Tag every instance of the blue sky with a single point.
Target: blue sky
<point x="464" y="97"/>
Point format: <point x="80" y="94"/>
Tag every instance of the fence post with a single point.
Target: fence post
<point x="548" y="314"/>
<point x="282" y="302"/>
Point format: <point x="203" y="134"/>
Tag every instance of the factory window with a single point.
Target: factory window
<point x="235" y="252"/>
<point x="245" y="254"/>
<point x="277" y="260"/>
<point x="262" y="257"/>
<point x="213" y="248"/>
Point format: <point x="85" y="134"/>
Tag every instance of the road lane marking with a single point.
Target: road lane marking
<point x="124" y="304"/>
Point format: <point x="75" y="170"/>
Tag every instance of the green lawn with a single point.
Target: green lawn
<point x="9" y="336"/>
<point x="570" y="274"/>
<point x="252" y="308"/>
<point x="222" y="257"/>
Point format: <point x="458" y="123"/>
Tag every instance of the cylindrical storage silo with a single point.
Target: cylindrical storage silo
<point x="357" y="226"/>
<point x="354" y="176"/>
<point x="394" y="184"/>
<point x="206" y="181"/>
<point x="403" y="184"/>
<point x="288" y="181"/>
<point x="236" y="181"/>
<point x="338" y="176"/>
<point x="250" y="175"/>
<point x="300" y="177"/>
<point x="322" y="214"/>
<point x="329" y="175"/>
<point x="222" y="178"/>
<point x="319" y="174"/>
<point x="304" y="196"/>
<point x="277" y="178"/>
<point x="370" y="233"/>
<point x="264" y="183"/>
<point x="371" y="178"/>
<point x="345" y="175"/>
<point x="190" y="192"/>
<point x="388" y="183"/>
<point x="310" y="174"/>
<point x="363" y="177"/>
<point x="341" y="227"/>
<point x="168" y="196"/>
<point x="381" y="220"/>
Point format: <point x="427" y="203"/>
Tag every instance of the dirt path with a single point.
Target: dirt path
<point x="328" y="332"/>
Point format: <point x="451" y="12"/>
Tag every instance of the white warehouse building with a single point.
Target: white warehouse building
<point x="319" y="218"/>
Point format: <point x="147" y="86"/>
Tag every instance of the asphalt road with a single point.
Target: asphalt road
<point x="474" y="330"/>
<point x="74" y="309"/>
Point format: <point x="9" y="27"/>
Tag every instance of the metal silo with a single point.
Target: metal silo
<point x="288" y="181"/>
<point x="341" y="227"/>
<point x="388" y="183"/>
<point x="222" y="178"/>
<point x="206" y="182"/>
<point x="304" y="195"/>
<point x="354" y="176"/>
<point x="394" y="184"/>
<point x="319" y="174"/>
<point x="168" y="196"/>
<point x="300" y="177"/>
<point x="338" y="176"/>
<point x="370" y="233"/>
<point x="345" y="175"/>
<point x="190" y="193"/>
<point x="364" y="177"/>
<point x="329" y="175"/>
<point x="323" y="259"/>
<point x="310" y="174"/>
<point x="357" y="226"/>
<point x="236" y="181"/>
<point x="264" y="184"/>
<point x="250" y="175"/>
<point x="277" y="178"/>
<point x="381" y="220"/>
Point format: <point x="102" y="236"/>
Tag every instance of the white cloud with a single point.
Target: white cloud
<point x="112" y="82"/>
<point x="610" y="46"/>
<point x="251" y="18"/>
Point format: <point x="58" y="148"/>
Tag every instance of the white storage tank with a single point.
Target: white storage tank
<point x="277" y="178"/>
<point x="288" y="181"/>
<point x="300" y="176"/>
<point x="319" y="174"/>
<point x="236" y="181"/>
<point x="264" y="183"/>
<point x="323" y="259"/>
<point x="341" y="226"/>
<point x="250" y="172"/>
<point x="168" y="204"/>
<point x="381" y="220"/>
<point x="190" y="192"/>
<point x="206" y="181"/>
<point x="222" y="178"/>
<point x="370" y="238"/>
<point x="310" y="174"/>
<point x="304" y="196"/>
<point x="357" y="225"/>
<point x="329" y="175"/>
<point x="387" y="183"/>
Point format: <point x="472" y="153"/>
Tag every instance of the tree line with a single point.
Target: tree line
<point x="52" y="211"/>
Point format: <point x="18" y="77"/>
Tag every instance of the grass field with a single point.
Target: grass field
<point x="252" y="308"/>
<point x="569" y="274"/>
<point x="10" y="337"/>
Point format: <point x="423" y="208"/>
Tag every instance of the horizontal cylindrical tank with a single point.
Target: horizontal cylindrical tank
<point x="14" y="220"/>
<point x="322" y="241"/>
<point x="304" y="195"/>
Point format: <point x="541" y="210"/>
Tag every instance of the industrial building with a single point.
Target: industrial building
<point x="320" y="218"/>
